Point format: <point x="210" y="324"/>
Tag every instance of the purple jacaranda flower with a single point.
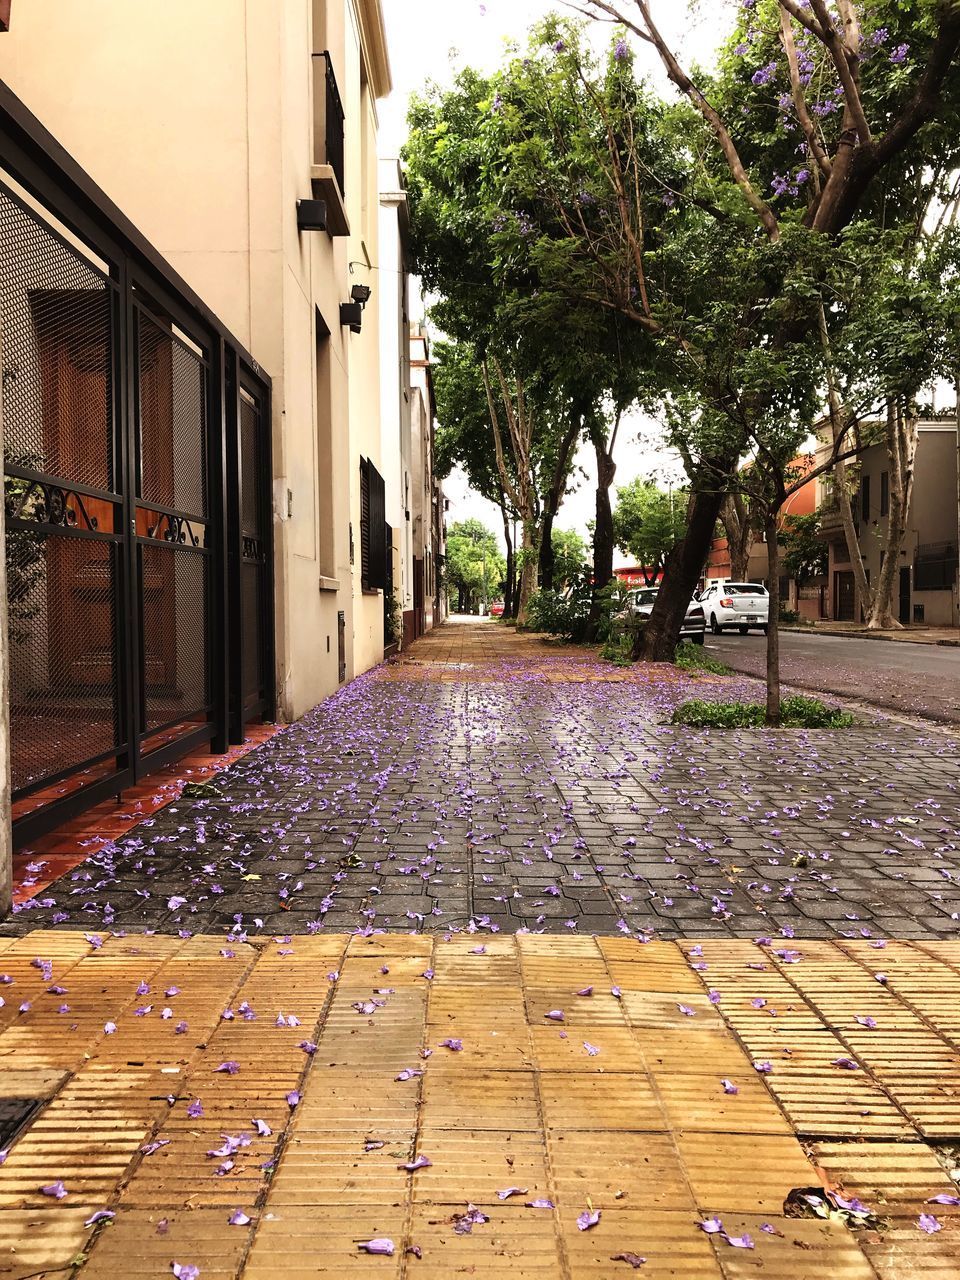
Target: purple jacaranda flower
<point x="897" y="55"/>
<point x="428" y="974"/>
<point x="239" y="1219"/>
<point x="712" y="1226"/>
<point x="185" y="1271"/>
<point x="478" y="951"/>
<point x="740" y="1242"/>
<point x="621" y="50"/>
<point x="729" y="1086"/>
<point x="555" y="1015"/>
<point x="853" y="1205"/>
<point x="928" y="1223"/>
<point x="765" y="1068"/>
<point x="195" y="1109"/>
<point x="176" y="902"/>
<point x="714" y="997"/>
<point x="584" y="991"/>
<point x="845" y="1064"/>
<point x="143" y="989"/>
<point x="540" y="1204"/>
<point x="868" y="1022"/>
<point x="262" y="1128"/>
<point x="382" y="1245"/>
<point x="229" y="1068"/>
<point x="591" y="1048"/>
<point x="408" y="1073"/>
<point x="944" y="1198"/>
<point x="764" y="74"/>
<point x="109" y="1028"/>
<point x="150" y="1147"/>
<point x="421" y="1162"/>
<point x="507" y="1192"/>
<point x="56" y="1190"/>
<point x="589" y="1218"/>
<point x="308" y="1047"/>
<point x="181" y="1028"/>
<point x="293" y="1098"/>
<point x="3" y="1155"/>
<point x="463" y="1223"/>
<point x="101" y="1215"/>
<point x="616" y="992"/>
<point x="171" y="992"/>
<point x="687" y="1011"/>
<point x="455" y="1046"/>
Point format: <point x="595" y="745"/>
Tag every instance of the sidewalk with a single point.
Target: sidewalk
<point x="947" y="636"/>
<point x="221" y="1140"/>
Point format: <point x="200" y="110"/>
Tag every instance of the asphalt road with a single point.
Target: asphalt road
<point x="917" y="679"/>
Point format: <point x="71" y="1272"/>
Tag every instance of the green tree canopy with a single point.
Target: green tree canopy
<point x="648" y="523"/>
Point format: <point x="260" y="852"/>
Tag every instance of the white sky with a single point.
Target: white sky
<point x="429" y="40"/>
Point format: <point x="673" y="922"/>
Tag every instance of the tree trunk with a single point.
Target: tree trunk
<point x="902" y="433"/>
<point x="603" y="535"/>
<point x="739" y="530"/>
<point x="658" y="641"/>
<point x="547" y="558"/>
<point x="863" y="593"/>
<point x="511" y="570"/>
<point x="773" y="622"/>
<point x="553" y="499"/>
<point x="528" y="572"/>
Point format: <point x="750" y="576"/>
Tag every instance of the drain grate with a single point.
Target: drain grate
<point x="15" y="1115"/>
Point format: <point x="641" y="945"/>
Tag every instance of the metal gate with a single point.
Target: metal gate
<point x="131" y="423"/>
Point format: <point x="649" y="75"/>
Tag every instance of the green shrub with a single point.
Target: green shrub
<point x="796" y="713"/>
<point x="565" y="614"/>
<point x="692" y="657"/>
<point x="789" y="617"/>
<point x="618" y="649"/>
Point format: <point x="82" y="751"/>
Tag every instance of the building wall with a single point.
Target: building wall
<point x="198" y="121"/>
<point x="932" y="519"/>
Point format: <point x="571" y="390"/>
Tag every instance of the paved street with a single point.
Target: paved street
<point x="916" y="679"/>
<point x="493" y="783"/>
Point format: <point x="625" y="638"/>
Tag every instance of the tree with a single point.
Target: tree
<point x="741" y="197"/>
<point x="474" y="567"/>
<point x="463" y="437"/>
<point x="569" y="556"/>
<point x="806" y="555"/>
<point x="648" y="523"/>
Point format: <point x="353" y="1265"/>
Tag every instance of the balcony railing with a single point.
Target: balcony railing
<point x="328" y="94"/>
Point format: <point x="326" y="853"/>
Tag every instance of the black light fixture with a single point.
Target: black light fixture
<point x="311" y="215"/>
<point x="351" y="313"/>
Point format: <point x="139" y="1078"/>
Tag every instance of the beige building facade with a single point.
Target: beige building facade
<point x="208" y="125"/>
<point x="925" y="588"/>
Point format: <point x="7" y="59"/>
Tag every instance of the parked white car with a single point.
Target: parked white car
<point x="736" y="604"/>
<point x="641" y="604"/>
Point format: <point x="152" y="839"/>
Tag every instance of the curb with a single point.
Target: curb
<point x="871" y="635"/>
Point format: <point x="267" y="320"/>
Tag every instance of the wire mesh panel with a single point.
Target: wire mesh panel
<point x="171" y="527"/>
<point x="254" y="554"/>
<point x="62" y="504"/>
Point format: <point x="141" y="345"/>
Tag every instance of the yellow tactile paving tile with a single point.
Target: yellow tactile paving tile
<point x="895" y="1179"/>
<point x="649" y="1107"/>
<point x="673" y="1245"/>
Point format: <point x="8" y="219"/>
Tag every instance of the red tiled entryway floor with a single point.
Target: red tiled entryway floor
<point x="46" y="859"/>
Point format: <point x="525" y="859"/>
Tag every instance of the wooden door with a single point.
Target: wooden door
<point x="72" y="328"/>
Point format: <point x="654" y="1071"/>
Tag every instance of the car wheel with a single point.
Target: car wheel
<point x="743" y="630"/>
<point x="699" y="638"/>
<point x="715" y="626"/>
<point x="765" y="628"/>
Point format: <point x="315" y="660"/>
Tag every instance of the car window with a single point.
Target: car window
<point x="745" y="589"/>
<point x="646" y="597"/>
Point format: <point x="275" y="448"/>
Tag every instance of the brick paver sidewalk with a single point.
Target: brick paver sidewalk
<point x="488" y="777"/>
<point x="469" y="1099"/>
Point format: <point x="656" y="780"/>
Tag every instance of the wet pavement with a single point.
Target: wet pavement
<point x="493" y="783"/>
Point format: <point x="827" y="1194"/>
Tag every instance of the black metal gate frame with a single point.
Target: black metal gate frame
<point x="33" y="158"/>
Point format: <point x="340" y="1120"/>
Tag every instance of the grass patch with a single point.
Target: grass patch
<point x="693" y="657"/>
<point x="617" y="649"/>
<point x="797" y="713"/>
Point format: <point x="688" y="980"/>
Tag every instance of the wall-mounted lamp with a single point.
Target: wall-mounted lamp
<point x="351" y="313"/>
<point x="311" y="215"/>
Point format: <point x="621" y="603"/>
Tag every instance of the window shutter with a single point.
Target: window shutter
<point x="364" y="524"/>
